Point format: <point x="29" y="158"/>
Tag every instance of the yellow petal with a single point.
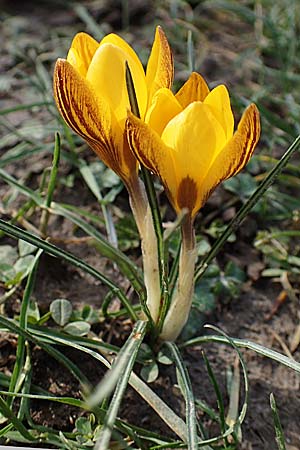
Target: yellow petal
<point x="235" y="155"/>
<point x="163" y="108"/>
<point x="160" y="67"/>
<point x="152" y="153"/>
<point x="106" y="73"/>
<point x="219" y="101"/>
<point x="196" y="136"/>
<point x="194" y="89"/>
<point x="81" y="52"/>
<point x="116" y="40"/>
<point x="91" y="117"/>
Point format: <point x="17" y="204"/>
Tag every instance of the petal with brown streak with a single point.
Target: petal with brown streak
<point x="160" y="67"/>
<point x="194" y="89"/>
<point x="152" y="153"/>
<point x="236" y="153"/>
<point x="90" y="117"/>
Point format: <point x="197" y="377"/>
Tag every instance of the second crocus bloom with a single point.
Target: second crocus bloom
<point x="188" y="141"/>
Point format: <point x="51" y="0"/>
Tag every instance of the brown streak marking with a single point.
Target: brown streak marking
<point x="131" y="139"/>
<point x="187" y="194"/>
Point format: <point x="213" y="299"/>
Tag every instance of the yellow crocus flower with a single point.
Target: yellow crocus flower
<point x="91" y="93"/>
<point x="189" y="141"/>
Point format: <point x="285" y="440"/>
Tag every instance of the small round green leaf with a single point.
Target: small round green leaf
<point x="83" y="426"/>
<point x="150" y="372"/>
<point x="61" y="310"/>
<point x="77" y="328"/>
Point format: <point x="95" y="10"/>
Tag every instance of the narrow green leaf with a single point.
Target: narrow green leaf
<point x="51" y="249"/>
<point x="90" y="180"/>
<point x="20" y="352"/>
<point x="7" y="412"/>
<point x="23" y="189"/>
<point x="175" y="423"/>
<point x="51" y="186"/>
<point x="244" y="343"/>
<point x="127" y="267"/>
<point x="218" y="394"/>
<point x="76" y="372"/>
<point x="23" y="107"/>
<point x="191" y="421"/>
<point x="124" y="358"/>
<point x="123" y="367"/>
<point x="278" y="428"/>
<point x="129" y="429"/>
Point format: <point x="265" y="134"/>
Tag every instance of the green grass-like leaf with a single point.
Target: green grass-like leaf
<point x="191" y="422"/>
<point x="278" y="428"/>
<point x="120" y="373"/>
<point x="53" y="250"/>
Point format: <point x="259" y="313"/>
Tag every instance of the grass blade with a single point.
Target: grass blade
<point x="52" y="250"/>
<point x="20" y="352"/>
<point x="123" y="361"/>
<point x="123" y="368"/>
<point x="127" y="267"/>
<point x="7" y="412"/>
<point x="23" y="189"/>
<point x="76" y="372"/>
<point x="244" y="343"/>
<point x="220" y="403"/>
<point x="90" y="180"/>
<point x="175" y="423"/>
<point x="164" y="411"/>
<point x="277" y="424"/>
<point x="99" y="412"/>
<point x="191" y="422"/>
<point x="51" y="186"/>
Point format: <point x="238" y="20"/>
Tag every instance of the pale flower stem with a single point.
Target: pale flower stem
<point x="143" y="217"/>
<point x="180" y="306"/>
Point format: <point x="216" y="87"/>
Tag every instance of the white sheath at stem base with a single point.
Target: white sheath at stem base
<point x="143" y="217"/>
<point x="178" y="312"/>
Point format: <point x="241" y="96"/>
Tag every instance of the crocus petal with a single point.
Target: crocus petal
<point x="91" y="117"/>
<point x="194" y="89"/>
<point x="160" y="67"/>
<point x="195" y="135"/>
<point x="106" y="73"/>
<point x="235" y="155"/>
<point x="163" y="108"/>
<point x="81" y="52"/>
<point x="152" y="153"/>
<point x="116" y="40"/>
<point x="219" y="101"/>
